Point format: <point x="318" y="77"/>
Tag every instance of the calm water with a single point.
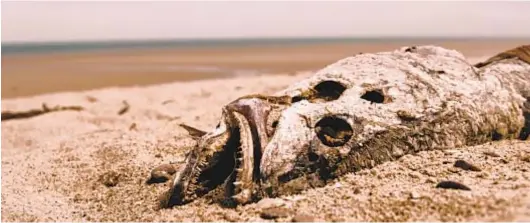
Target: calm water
<point x="31" y="48"/>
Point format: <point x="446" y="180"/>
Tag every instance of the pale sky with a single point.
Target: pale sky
<point x="98" y="20"/>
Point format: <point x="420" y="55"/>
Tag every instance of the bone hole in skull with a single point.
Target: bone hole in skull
<point x="271" y="128"/>
<point x="375" y="96"/>
<point x="333" y="131"/>
<point x="324" y="91"/>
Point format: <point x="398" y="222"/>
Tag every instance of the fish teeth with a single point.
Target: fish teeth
<point x="239" y="170"/>
<point x="237" y="197"/>
<point x="242" y="197"/>
<point x="237" y="183"/>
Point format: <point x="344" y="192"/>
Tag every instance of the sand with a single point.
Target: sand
<point x="55" y="166"/>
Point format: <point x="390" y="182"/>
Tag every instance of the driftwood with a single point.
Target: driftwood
<point x="9" y="115"/>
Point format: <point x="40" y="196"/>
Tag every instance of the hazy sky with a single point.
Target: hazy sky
<point x="97" y="20"/>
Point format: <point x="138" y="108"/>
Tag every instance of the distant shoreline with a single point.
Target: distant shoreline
<point x="12" y="48"/>
<point x="29" y="74"/>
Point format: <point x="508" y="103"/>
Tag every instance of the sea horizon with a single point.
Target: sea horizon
<point x="10" y="48"/>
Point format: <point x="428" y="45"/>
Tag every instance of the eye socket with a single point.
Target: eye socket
<point x="376" y="96"/>
<point x="329" y="90"/>
<point x="333" y="131"/>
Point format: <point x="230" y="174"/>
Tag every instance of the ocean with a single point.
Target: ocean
<point x="51" y="47"/>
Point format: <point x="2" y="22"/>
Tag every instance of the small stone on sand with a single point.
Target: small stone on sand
<point x="303" y="218"/>
<point x="462" y="164"/>
<point x="273" y="213"/>
<point x="452" y="185"/>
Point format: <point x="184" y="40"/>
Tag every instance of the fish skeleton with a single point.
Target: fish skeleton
<point x="356" y="113"/>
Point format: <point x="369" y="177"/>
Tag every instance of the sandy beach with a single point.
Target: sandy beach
<point x="54" y="166"/>
<point x="33" y="74"/>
